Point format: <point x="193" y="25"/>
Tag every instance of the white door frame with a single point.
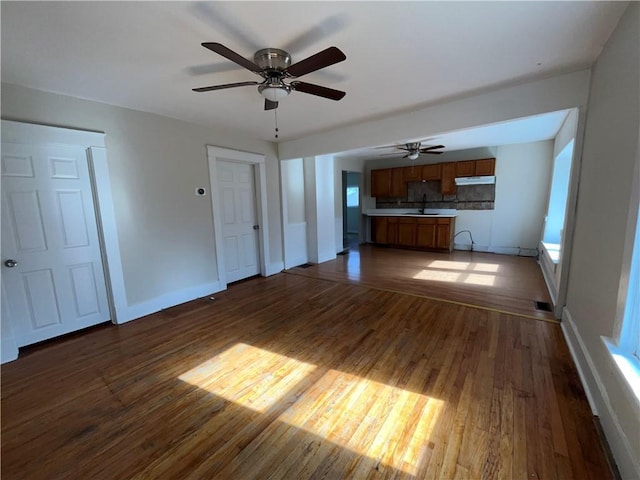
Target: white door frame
<point x="94" y="142"/>
<point x="258" y="161"/>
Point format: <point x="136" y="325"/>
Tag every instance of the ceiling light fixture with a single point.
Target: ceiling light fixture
<point x="274" y="93"/>
<point x="413" y="155"/>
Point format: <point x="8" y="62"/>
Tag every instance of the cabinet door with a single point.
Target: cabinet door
<point x="381" y="182"/>
<point x="431" y="172"/>
<point x="426" y="233"/>
<point x="485" y="166"/>
<point x="447" y="181"/>
<point x="392" y="230"/>
<point x="379" y="230"/>
<point x="466" y="169"/>
<point x="407" y="232"/>
<point x="412" y="173"/>
<point x="443" y="234"/>
<point x="398" y="185"/>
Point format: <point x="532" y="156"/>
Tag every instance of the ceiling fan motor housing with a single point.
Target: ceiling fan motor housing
<point x="272" y="60"/>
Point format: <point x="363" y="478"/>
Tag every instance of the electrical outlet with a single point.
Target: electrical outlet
<point x="201" y="191"/>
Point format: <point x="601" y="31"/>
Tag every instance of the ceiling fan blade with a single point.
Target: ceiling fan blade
<point x="315" y="62"/>
<point x="317" y="90"/>
<point x="426" y="149"/>
<point x="431" y="153"/>
<point x="231" y="55"/>
<point x="226" y="85"/>
<point x="269" y="105"/>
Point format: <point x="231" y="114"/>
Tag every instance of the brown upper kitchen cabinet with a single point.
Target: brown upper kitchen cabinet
<point x="447" y="179"/>
<point x="466" y="169"/>
<point x="431" y="172"/>
<point x="476" y="168"/>
<point x="412" y="173"/>
<point x="398" y="185"/>
<point x="381" y="182"/>
<point x="485" y="167"/>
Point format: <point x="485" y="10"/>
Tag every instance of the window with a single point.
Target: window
<point x="353" y="196"/>
<point x="558" y="196"/>
<point x="630" y="334"/>
<point x="626" y="351"/>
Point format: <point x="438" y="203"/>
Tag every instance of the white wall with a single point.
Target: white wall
<point x="609" y="155"/>
<point x="155" y="164"/>
<point x="294" y="213"/>
<point x="522" y="187"/>
<point x="567" y="132"/>
<point x="551" y="94"/>
<point x="319" y="186"/>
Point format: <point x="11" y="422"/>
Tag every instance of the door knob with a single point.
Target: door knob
<point x="10" y="263"/>
<point x="256" y="227"/>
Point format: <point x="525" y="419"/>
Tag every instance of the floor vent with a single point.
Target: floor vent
<point x="544" y="306"/>
<point x="305" y="265"/>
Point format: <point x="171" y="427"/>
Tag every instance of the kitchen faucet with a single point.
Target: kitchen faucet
<point x="424" y="203"/>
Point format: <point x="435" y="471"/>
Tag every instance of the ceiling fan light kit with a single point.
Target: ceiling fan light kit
<point x="274" y="93"/>
<point x="274" y="66"/>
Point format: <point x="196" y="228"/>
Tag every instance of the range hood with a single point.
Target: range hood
<point x="485" y="180"/>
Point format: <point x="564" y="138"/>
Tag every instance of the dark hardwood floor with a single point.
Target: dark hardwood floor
<point x="297" y="377"/>
<point x="497" y="282"/>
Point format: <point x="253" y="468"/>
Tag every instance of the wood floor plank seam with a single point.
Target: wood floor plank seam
<point x="427" y="297"/>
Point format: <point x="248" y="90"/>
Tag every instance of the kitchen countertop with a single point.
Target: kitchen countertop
<point x="407" y="212"/>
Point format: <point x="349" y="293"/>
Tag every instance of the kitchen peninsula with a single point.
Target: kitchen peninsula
<point x="421" y="231"/>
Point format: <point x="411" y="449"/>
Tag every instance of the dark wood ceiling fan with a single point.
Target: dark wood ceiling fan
<point x="274" y="66"/>
<point x="414" y="149"/>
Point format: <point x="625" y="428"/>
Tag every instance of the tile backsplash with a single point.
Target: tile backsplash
<point x="467" y="197"/>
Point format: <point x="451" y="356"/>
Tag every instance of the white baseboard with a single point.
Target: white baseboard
<point x="273" y="268"/>
<point x="8" y="350"/>
<point x="506" y="250"/>
<point x="598" y="398"/>
<point x="167" y="300"/>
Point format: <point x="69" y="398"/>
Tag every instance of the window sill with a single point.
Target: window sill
<point x="552" y="250"/>
<point x="628" y="366"/>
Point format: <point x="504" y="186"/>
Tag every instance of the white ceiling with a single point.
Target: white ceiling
<point x="521" y="130"/>
<point x="400" y="55"/>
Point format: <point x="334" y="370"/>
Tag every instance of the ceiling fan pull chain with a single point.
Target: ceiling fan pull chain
<point x="275" y="112"/>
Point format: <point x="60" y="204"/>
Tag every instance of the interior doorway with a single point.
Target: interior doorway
<point x="351" y="209"/>
<point x="252" y="163"/>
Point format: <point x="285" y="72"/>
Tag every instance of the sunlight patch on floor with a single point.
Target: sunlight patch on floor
<point x="249" y="376"/>
<point x="437" y="275"/>
<point x="459" y="272"/>
<point x="385" y="423"/>
<point x="382" y="422"/>
<point x="465" y="266"/>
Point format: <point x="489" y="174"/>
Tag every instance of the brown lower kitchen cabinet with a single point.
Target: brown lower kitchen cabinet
<point x="428" y="233"/>
<point x="407" y="231"/>
<point x="444" y="234"/>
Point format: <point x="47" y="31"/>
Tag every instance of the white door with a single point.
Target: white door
<point x="52" y="270"/>
<point x="239" y="225"/>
